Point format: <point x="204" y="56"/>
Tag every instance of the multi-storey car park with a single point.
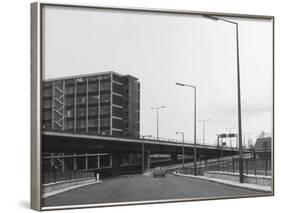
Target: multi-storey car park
<point x="105" y="104"/>
<point x="102" y="103"/>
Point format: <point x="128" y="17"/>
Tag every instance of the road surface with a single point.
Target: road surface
<point x="143" y="188"/>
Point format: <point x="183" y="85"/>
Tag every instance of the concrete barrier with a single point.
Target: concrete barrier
<point x="253" y="179"/>
<point x="255" y="187"/>
<point x="52" y="189"/>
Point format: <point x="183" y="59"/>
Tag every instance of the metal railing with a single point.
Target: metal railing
<point x="190" y="170"/>
<point x="59" y="176"/>
<point x="250" y="166"/>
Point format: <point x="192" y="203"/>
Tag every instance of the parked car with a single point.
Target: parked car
<point x="159" y="172"/>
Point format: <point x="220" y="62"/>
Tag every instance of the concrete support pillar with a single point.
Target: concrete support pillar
<point x="67" y="164"/>
<point x="86" y="162"/>
<point x="130" y="158"/>
<point x="62" y="164"/>
<point x="174" y="158"/>
<point x="147" y="159"/>
<point x="98" y="161"/>
<point x="115" y="162"/>
<point x="52" y="161"/>
<point x="206" y="163"/>
<point x="74" y="162"/>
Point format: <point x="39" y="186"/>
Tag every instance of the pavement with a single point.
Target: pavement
<point x="249" y="186"/>
<point x="135" y="188"/>
<point x="58" y="191"/>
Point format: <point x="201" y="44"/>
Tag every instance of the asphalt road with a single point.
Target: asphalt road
<point x="143" y="188"/>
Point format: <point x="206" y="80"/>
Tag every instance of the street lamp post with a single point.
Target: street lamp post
<point x="241" y="177"/>
<point x="194" y="89"/>
<point x="203" y="123"/>
<point x="142" y="151"/>
<point x="182" y="133"/>
<point x="157" y="112"/>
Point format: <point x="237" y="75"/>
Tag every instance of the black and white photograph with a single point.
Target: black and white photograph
<point x="145" y="106"/>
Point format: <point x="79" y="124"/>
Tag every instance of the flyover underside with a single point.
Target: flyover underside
<point x="108" y="156"/>
<point x="84" y="145"/>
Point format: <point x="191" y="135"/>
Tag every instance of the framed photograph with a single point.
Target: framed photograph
<point x="139" y="105"/>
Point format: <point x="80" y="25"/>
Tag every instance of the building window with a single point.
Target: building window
<point x="70" y="90"/>
<point x="117" y="88"/>
<point x="105" y="122"/>
<point x="69" y="101"/>
<point x="80" y="79"/>
<point x="47" y="115"/>
<point x="93" y="87"/>
<point x="81" y="112"/>
<point x="93" y="99"/>
<point x="93" y="123"/>
<point x="117" y="78"/>
<point x="118" y="124"/>
<point x="103" y="77"/>
<point x="105" y="86"/>
<point x="81" y="124"/>
<point x="93" y="78"/>
<point x="47" y="104"/>
<point x="117" y="133"/>
<point x="69" y="125"/>
<point x="69" y="113"/>
<point x="47" y="92"/>
<point x="105" y="110"/>
<point x="118" y="112"/>
<point x="126" y="115"/>
<point x="117" y="100"/>
<point x="93" y="111"/>
<point x="105" y="161"/>
<point x="47" y="126"/>
<point x="81" y="89"/>
<point x="105" y="98"/>
<point x="81" y="100"/>
<point x="105" y="132"/>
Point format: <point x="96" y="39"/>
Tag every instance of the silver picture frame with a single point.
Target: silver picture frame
<point x="37" y="87"/>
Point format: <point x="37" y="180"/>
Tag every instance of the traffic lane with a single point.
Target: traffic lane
<point x="143" y="188"/>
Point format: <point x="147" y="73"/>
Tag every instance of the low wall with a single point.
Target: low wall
<point x="253" y="179"/>
<point x="51" y="189"/>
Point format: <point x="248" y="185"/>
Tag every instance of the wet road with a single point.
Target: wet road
<point x="143" y="188"/>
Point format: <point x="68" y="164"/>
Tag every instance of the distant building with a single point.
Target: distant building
<point x="263" y="147"/>
<point x="102" y="103"/>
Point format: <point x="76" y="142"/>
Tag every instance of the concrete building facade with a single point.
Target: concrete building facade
<point x="103" y="103"/>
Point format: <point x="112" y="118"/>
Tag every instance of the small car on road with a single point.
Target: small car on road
<point x="159" y="172"/>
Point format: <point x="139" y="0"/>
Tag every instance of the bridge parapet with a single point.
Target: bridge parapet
<point x="161" y="141"/>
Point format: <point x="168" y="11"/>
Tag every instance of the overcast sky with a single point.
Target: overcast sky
<point x="161" y="49"/>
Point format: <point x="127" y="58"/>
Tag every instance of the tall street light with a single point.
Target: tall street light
<point x="182" y="133"/>
<point x="194" y="88"/>
<point x="157" y="111"/>
<point x="238" y="93"/>
<point x="142" y="151"/>
<point x="203" y="123"/>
